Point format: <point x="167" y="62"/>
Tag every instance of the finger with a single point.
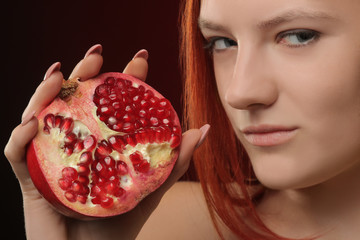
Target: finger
<point x="138" y="66"/>
<point x="44" y="94"/>
<point x="89" y="66"/>
<point x="15" y="150"/>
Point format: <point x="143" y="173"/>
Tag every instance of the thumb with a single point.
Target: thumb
<point x="15" y="151"/>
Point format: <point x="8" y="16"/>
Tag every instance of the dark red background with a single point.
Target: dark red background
<point x="36" y="34"/>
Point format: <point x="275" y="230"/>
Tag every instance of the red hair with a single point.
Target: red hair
<point x="221" y="163"/>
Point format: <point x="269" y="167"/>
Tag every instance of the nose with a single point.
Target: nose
<point x="252" y="84"/>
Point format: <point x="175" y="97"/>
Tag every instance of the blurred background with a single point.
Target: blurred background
<point x="38" y="33"/>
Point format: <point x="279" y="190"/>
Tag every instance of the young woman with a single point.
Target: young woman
<point x="279" y="83"/>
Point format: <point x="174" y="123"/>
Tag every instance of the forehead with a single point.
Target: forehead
<point x="251" y="12"/>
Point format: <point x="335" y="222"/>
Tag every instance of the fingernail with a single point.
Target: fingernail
<point x="143" y="53"/>
<point x="94" y="49"/>
<point x="205" y="130"/>
<point x="53" y="68"/>
<point x="27" y="118"/>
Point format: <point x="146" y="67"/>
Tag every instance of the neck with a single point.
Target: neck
<point x="331" y="208"/>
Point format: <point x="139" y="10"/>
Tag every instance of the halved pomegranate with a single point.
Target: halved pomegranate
<point x="103" y="145"/>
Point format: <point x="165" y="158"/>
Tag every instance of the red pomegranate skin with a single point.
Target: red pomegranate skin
<point x="103" y="145"/>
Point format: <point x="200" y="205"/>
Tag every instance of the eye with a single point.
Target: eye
<point x="297" y="38"/>
<point x="219" y="43"/>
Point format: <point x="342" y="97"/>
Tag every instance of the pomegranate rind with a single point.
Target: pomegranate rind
<point x="45" y="164"/>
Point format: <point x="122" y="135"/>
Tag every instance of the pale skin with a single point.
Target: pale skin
<point x="312" y="178"/>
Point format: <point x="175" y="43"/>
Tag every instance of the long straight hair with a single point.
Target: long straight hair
<point x="222" y="165"/>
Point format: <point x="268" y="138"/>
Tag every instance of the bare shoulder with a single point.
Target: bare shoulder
<point x="181" y="214"/>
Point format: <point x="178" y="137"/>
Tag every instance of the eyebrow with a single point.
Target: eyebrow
<point x="292" y="15"/>
<point x="206" y="24"/>
<point x="284" y="17"/>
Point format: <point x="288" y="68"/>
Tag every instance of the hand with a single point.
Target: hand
<point x="41" y="221"/>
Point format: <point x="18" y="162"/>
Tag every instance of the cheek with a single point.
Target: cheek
<point x="325" y="103"/>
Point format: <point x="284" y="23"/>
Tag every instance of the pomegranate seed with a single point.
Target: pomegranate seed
<point x="148" y="94"/>
<point x="140" y="137"/>
<point x="129" y="109"/>
<point x="176" y="130"/>
<point x="130" y="139"/>
<point x="110" y="187"/>
<point x="111" y="121"/>
<point x="70" y="138"/>
<point x="81" y="198"/>
<point x="144" y="122"/>
<point x="144" y="103"/>
<point x="120" y="84"/>
<point x="117" y="143"/>
<point x="85" y="158"/>
<point x="164" y="103"/>
<point x="100" y="169"/>
<point x="128" y="127"/>
<point x="136" y="157"/>
<point x="107" y="202"/>
<point x="113" y="97"/>
<point x="110" y="81"/>
<point x="166" y="121"/>
<point x="69" y="173"/>
<point x="83" y="170"/>
<point x="127" y="82"/>
<point x="106" y="110"/>
<point x="76" y="187"/>
<point x="103" y="149"/>
<point x="162" y="113"/>
<point x="96" y="191"/>
<point x="64" y="183"/>
<point x="89" y="143"/>
<point x="143" y="167"/>
<point x="84" y="180"/>
<point x="49" y="120"/>
<point x="71" y="197"/>
<point x="102" y="90"/>
<point x="174" y="141"/>
<point x="120" y="191"/>
<point x="132" y="91"/>
<point x="78" y="146"/>
<point x="150" y="135"/>
<point x="68" y="150"/>
<point x="116" y="105"/>
<point x="104" y="101"/>
<point x="121" y="168"/>
<point x="167" y="133"/>
<point x="109" y="161"/>
<point x="96" y="200"/>
<point x="137" y="99"/>
<point x="142" y="113"/>
<point x="46" y="130"/>
<point x="154" y="121"/>
<point x="141" y="90"/>
<point x="67" y="125"/>
<point x="153" y="101"/>
<point x="160" y="135"/>
<point x="58" y="120"/>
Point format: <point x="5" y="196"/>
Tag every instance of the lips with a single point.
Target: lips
<point x="268" y="135"/>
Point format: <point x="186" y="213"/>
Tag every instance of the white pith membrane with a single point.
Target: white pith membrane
<point x="135" y="183"/>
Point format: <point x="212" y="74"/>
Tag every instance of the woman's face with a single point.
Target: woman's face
<point x="288" y="74"/>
